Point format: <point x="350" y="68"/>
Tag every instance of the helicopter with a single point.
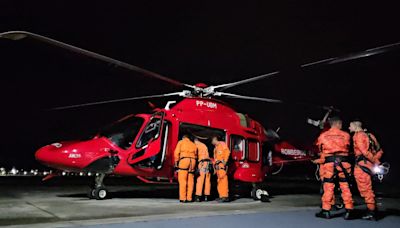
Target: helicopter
<point x="142" y="145"/>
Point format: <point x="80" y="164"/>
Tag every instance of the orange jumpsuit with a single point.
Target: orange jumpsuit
<point x="320" y="161"/>
<point x="364" y="182"/>
<point x="185" y="156"/>
<point x="204" y="178"/>
<point x="335" y="142"/>
<point x="221" y="156"/>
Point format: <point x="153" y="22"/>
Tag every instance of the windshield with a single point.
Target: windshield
<point x="122" y="133"/>
<point x="150" y="132"/>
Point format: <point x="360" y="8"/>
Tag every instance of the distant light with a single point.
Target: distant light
<point x="63" y="173"/>
<point x="13" y="171"/>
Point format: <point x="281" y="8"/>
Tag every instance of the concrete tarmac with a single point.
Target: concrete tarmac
<point x="63" y="203"/>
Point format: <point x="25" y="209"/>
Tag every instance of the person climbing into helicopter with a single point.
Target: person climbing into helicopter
<point x="334" y="146"/>
<point x="368" y="153"/>
<point x="185" y="156"/>
<point x="221" y="156"/>
<point x="204" y="178"/>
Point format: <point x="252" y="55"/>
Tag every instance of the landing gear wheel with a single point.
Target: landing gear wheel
<point x="265" y="198"/>
<point x="100" y="193"/>
<point x="91" y="193"/>
<point x="258" y="193"/>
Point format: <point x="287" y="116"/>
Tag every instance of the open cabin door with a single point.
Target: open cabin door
<point x="152" y="145"/>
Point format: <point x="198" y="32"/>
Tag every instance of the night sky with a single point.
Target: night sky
<point x="192" y="42"/>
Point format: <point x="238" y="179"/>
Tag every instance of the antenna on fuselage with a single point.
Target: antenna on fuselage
<point x="169" y="103"/>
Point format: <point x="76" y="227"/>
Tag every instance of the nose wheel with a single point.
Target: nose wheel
<point x="99" y="191"/>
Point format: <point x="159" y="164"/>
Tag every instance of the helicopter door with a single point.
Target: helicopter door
<point x="152" y="144"/>
<point x="253" y="151"/>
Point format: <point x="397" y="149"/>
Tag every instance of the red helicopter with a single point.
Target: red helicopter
<point x="142" y="145"/>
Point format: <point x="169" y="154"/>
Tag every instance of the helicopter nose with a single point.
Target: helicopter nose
<point x="43" y="155"/>
<point x="76" y="155"/>
<point x="56" y="157"/>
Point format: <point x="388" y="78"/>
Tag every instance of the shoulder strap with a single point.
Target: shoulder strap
<point x="373" y="145"/>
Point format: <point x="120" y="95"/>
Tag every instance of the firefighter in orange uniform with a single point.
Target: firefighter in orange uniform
<point x="221" y="156"/>
<point x="320" y="162"/>
<point x="324" y="126"/>
<point x="334" y="145"/>
<point x="204" y="179"/>
<point x="368" y="154"/>
<point x="185" y="156"/>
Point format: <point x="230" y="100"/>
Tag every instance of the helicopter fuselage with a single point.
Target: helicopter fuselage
<point x="143" y="145"/>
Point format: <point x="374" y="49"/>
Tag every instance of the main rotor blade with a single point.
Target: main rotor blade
<point x="237" y="96"/>
<point x="356" y="55"/>
<point x="231" y="95"/>
<point x="329" y="61"/>
<point x="18" y="35"/>
<point x="119" y="100"/>
<point x="252" y="79"/>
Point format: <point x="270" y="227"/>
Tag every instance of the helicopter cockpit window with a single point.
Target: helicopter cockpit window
<point x="243" y="120"/>
<point x="238" y="147"/>
<point x="124" y="132"/>
<point x="151" y="131"/>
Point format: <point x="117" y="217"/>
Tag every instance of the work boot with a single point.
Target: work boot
<point x="182" y="201"/>
<point x="349" y="214"/>
<point x="206" y="198"/>
<point x="323" y="214"/>
<point x="369" y="215"/>
<point x="223" y="200"/>
<point x="197" y="198"/>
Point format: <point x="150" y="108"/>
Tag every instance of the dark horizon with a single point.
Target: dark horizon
<point x="193" y="43"/>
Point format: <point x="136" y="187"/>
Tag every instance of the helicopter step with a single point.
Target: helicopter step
<point x="98" y="191"/>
